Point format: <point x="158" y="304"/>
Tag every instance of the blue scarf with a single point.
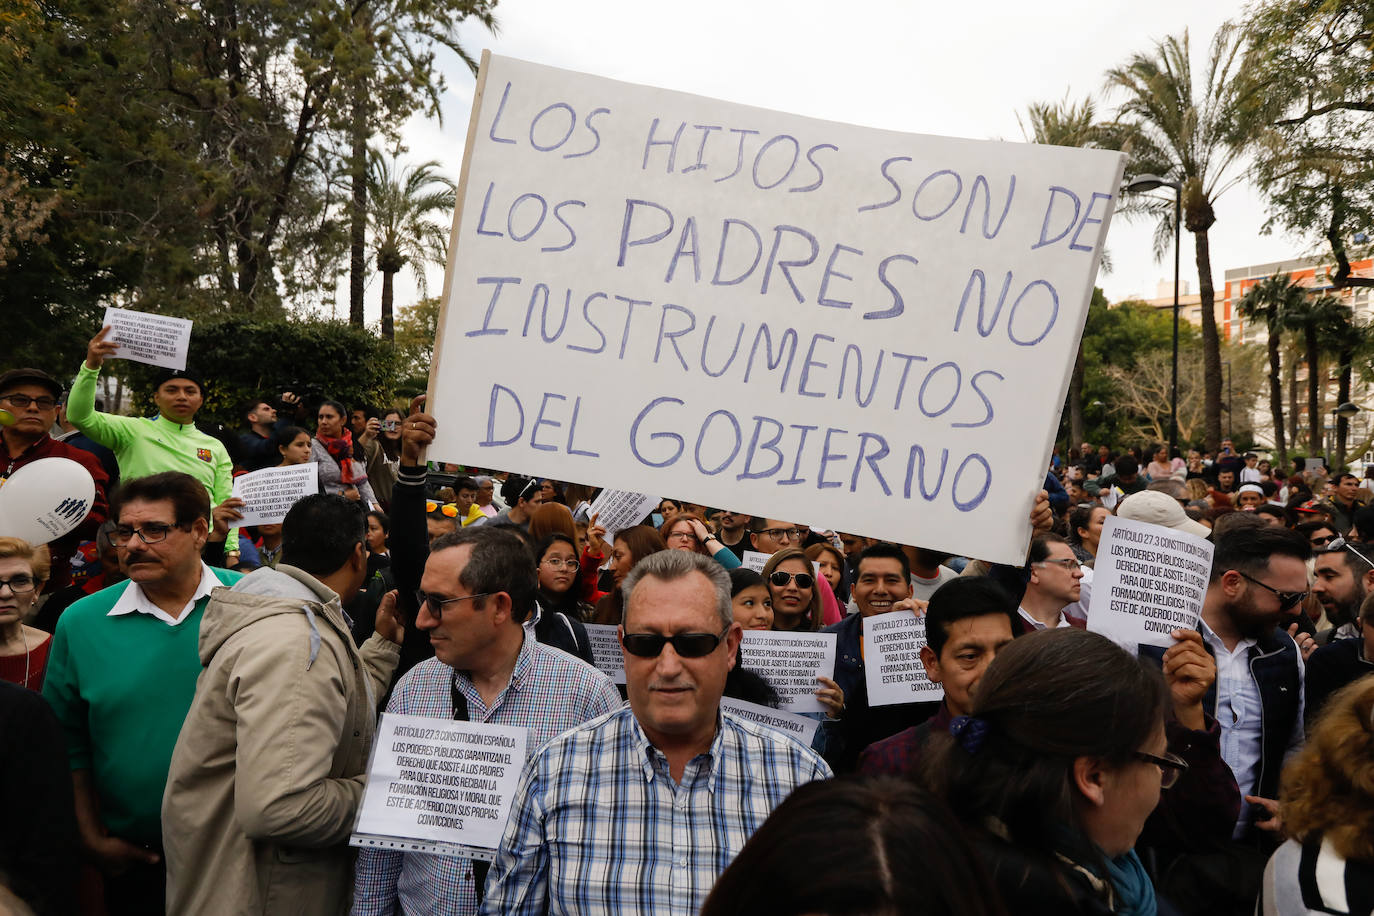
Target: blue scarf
<point x="1135" y="894"/>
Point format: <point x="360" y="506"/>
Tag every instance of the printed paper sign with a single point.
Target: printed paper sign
<point x="606" y="650"/>
<point x="617" y="510"/>
<point x="892" y="660"/>
<point x="667" y="293"/>
<point x="791" y="662"/>
<point x="439" y="785"/>
<point x="270" y="493"/>
<point x="755" y="560"/>
<point x="145" y="338"/>
<point x="1148" y="580"/>
<point x="802" y="728"/>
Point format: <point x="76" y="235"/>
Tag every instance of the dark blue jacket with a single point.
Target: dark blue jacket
<point x="1274" y="666"/>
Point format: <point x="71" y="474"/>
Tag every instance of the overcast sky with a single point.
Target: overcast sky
<point x="957" y="69"/>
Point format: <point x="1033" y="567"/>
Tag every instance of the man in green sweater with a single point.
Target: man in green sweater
<point x="168" y="442"/>
<point x="121" y="675"/>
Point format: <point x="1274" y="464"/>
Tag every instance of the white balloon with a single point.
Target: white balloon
<point x="45" y="499"/>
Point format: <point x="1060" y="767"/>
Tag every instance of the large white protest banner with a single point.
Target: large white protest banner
<point x="802" y="728"/>
<point x="606" y="653"/>
<point x="1148" y="581"/>
<point x="791" y="662"/>
<point x="268" y="494"/>
<point x="436" y="785"/>
<point x="145" y="338"/>
<point x="745" y="308"/>
<point x="893" y="670"/>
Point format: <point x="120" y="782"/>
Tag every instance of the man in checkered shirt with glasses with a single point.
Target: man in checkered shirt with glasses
<point x="640" y="810"/>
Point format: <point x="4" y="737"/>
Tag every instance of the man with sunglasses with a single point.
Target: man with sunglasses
<point x="121" y="676"/>
<point x="638" y="811"/>
<point x="31" y="396"/>
<point x="1343" y="577"/>
<point x="478" y="588"/>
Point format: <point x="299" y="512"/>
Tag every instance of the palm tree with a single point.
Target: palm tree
<point x="1343" y="338"/>
<point x="1272" y="300"/>
<point x="1196" y="134"/>
<point x="1065" y="123"/>
<point x="399" y="225"/>
<point x="1313" y="316"/>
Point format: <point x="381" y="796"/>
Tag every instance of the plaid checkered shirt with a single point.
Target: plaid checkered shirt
<point x="549" y="693"/>
<point x="598" y="825"/>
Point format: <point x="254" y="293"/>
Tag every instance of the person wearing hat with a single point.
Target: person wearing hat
<point x="1156" y="508"/>
<point x="30" y="396"/>
<point x="168" y="442"/>
<point x="1250" y="496"/>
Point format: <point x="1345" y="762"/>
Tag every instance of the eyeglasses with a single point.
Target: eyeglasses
<point x="19" y="585"/>
<point x="780" y="579"/>
<point x="1068" y="564"/>
<point x="559" y="563"/>
<point x="151" y="533"/>
<point x="436" y="604"/>
<point x="1170" y="767"/>
<point x="687" y="645"/>
<point x="683" y="536"/>
<point x="782" y="534"/>
<point x="1287" y="600"/>
<point x="448" y="509"/>
<point x="22" y="401"/>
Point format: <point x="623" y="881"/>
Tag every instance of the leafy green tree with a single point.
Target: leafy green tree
<point x="416" y="329"/>
<point x="1312" y="316"/>
<point x="1195" y="134"/>
<point x="1272" y="301"/>
<point x="1307" y="78"/>
<point x="402" y="230"/>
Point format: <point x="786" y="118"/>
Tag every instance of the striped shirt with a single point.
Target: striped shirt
<point x="599" y="826"/>
<point x="549" y="692"/>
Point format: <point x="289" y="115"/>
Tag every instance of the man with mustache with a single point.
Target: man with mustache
<point x="121" y="677"/>
<point x="1342" y="581"/>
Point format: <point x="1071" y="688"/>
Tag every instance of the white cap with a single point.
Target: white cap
<point x="1251" y="488"/>
<point x="1158" y="508"/>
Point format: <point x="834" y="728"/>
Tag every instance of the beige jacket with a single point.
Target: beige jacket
<point x="269" y="768"/>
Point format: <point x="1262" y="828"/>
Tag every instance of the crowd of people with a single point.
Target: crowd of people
<point x="189" y="704"/>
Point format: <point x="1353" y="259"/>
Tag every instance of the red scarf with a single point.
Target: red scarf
<point x="341" y="450"/>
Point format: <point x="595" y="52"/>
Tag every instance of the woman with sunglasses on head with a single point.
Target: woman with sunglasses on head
<point x="688" y="531"/>
<point x="23" y="649"/>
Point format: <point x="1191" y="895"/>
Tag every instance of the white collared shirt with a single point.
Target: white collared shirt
<point x="135" y="601"/>
<point x="1025" y="615"/>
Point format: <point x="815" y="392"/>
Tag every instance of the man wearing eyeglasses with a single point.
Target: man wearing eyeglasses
<point x="1054" y="584"/>
<point x="769" y="535"/>
<point x="639" y="811"/>
<point x="478" y="588"/>
<point x="121" y="675"/>
<point x="31" y="397"/>
<point x="1258" y="573"/>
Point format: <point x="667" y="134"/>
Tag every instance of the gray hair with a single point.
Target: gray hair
<point x="670" y="565"/>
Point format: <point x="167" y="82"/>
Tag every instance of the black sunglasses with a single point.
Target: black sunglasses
<point x="1287" y="600"/>
<point x="780" y="579"/>
<point x="687" y="645"/>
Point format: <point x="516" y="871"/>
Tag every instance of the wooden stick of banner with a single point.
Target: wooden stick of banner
<point x="457" y="224"/>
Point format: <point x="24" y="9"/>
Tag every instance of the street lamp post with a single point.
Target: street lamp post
<point x="1149" y="183"/>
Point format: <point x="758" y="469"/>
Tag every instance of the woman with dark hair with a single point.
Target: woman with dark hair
<point x="552" y="491"/>
<point x="1057" y="768"/>
<point x="385" y="463"/>
<point x="332" y="450"/>
<point x="1085" y="530"/>
<point x="294" y="446"/>
<point x="631" y="545"/>
<point x="378" y="557"/>
<point x="904" y="854"/>
<point x="688" y="531"/>
<point x="556" y="555"/>
<point x="792" y="583"/>
<point x="1327" y="806"/>
<point x="831" y="565"/>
